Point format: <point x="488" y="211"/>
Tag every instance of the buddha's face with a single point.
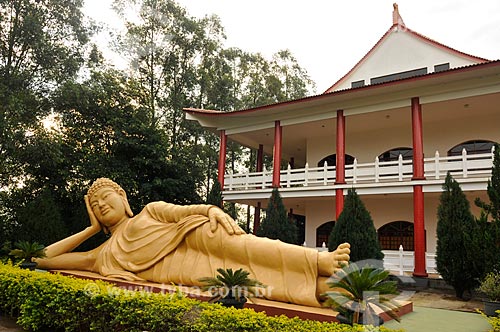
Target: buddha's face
<point x="108" y="206"/>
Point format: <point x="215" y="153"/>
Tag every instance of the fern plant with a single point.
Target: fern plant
<point x="231" y="284"/>
<point x="360" y="291"/>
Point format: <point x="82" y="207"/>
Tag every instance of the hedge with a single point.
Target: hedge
<point x="52" y="302"/>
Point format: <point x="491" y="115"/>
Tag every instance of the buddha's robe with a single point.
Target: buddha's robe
<point x="167" y="243"/>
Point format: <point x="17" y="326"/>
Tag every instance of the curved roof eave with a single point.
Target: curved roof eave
<point x="341" y="94"/>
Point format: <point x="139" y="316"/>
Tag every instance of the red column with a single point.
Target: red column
<point x="418" y="142"/>
<point x="418" y="194"/>
<point x="340" y="163"/>
<point x="419" y="232"/>
<point x="259" y="168"/>
<point x="222" y="157"/>
<point x="260" y="158"/>
<point x="277" y="154"/>
<point x="256" y="222"/>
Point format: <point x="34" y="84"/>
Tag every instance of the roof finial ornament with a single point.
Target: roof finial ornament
<point x="396" y="17"/>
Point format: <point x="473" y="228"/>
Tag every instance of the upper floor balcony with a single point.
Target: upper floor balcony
<point x="472" y="171"/>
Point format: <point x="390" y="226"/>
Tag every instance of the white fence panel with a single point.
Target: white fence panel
<point x="462" y="166"/>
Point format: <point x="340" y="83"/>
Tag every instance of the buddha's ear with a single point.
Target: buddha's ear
<point x="128" y="210"/>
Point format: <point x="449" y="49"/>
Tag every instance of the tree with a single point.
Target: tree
<point x="493" y="207"/>
<point x="276" y="224"/>
<point x="41" y="46"/>
<point x="355" y="226"/>
<point x="490" y="212"/>
<point x="455" y="228"/>
<point x="215" y="195"/>
<point x="40" y="220"/>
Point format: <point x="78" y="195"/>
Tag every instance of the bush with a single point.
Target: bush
<point x="276" y="225"/>
<point x="355" y="226"/>
<point x="490" y="286"/>
<point x="456" y="244"/>
<point x="45" y="301"/>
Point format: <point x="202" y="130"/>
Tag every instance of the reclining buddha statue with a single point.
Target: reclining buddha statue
<point x="168" y="243"/>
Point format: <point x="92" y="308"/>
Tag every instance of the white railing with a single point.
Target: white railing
<point x="435" y="168"/>
<point x="400" y="261"/>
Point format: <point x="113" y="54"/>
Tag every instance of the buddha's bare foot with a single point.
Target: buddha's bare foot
<point x="330" y="262"/>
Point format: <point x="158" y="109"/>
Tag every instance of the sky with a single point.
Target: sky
<point x="328" y="37"/>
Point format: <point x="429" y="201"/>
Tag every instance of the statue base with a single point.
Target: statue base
<point x="271" y="308"/>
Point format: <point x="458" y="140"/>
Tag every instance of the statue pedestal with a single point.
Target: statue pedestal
<point x="271" y="308"/>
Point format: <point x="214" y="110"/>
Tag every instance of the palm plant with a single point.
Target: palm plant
<point x="26" y="250"/>
<point x="229" y="284"/>
<point x="360" y="291"/>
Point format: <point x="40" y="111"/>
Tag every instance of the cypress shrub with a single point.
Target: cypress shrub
<point x="355" y="226"/>
<point x="490" y="211"/>
<point x="214" y="197"/>
<point x="456" y="240"/>
<point x="276" y="225"/>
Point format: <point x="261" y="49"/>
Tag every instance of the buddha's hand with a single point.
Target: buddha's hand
<point x="341" y="255"/>
<point x="217" y="216"/>
<point x="95" y="225"/>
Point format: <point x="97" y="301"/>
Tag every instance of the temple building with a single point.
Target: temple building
<point x="411" y="110"/>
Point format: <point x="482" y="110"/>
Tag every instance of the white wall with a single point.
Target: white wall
<point x="385" y="209"/>
<point x="368" y="145"/>
<point x="402" y="51"/>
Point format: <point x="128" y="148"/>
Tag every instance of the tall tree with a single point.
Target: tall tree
<point x="276" y="224"/>
<point x="215" y="195"/>
<point x="41" y="45"/>
<point x="289" y="79"/>
<point x="490" y="211"/>
<point x="40" y="220"/>
<point x="355" y="226"/>
<point x="455" y="229"/>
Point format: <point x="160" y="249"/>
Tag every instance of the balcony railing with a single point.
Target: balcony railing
<point x="400" y="261"/>
<point x="400" y="171"/>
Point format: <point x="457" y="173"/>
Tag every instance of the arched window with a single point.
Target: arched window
<point x="393" y="154"/>
<point x="472" y="147"/>
<point x="323" y="233"/>
<point x="331" y="160"/>
<point x="396" y="233"/>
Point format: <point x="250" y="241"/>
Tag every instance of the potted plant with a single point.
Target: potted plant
<point x="231" y="288"/>
<point x="490" y="287"/>
<point x="358" y="292"/>
<point x="25" y="251"/>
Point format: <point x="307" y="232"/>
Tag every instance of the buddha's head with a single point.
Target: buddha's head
<point x="108" y="202"/>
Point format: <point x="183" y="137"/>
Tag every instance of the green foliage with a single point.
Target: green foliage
<point x="360" y="291"/>
<point x="25" y="250"/>
<point x="41" y="220"/>
<point x="481" y="239"/>
<point x="231" y="284"/>
<point x="276" y="224"/>
<point x="215" y="195"/>
<point x="490" y="286"/>
<point x="52" y="302"/>
<point x="355" y="226"/>
<point x="455" y="256"/>
<point x="41" y="46"/>
<point x="493" y="207"/>
<point x="130" y="128"/>
<point x="490" y="211"/>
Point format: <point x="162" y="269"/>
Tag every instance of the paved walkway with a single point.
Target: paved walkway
<point x="440" y="320"/>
